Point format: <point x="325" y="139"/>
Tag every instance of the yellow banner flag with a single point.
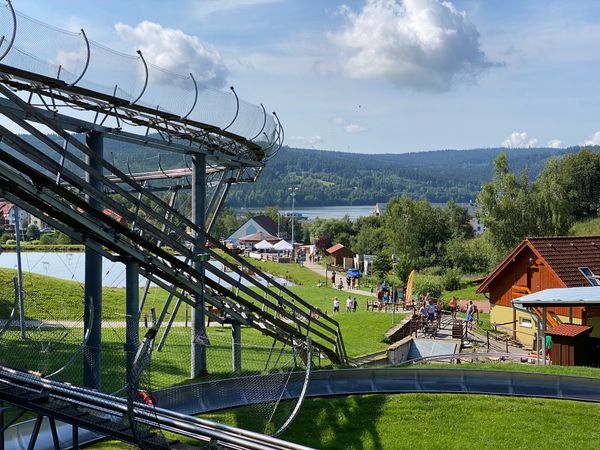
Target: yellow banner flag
<point x="407" y="299"/>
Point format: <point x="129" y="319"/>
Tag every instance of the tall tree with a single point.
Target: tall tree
<point x="508" y="206"/>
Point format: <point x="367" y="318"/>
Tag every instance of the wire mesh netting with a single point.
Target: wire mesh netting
<point x="69" y="56"/>
<point x="253" y="383"/>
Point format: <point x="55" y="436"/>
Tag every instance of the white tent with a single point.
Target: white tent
<point x="263" y="245"/>
<point x="283" y="246"/>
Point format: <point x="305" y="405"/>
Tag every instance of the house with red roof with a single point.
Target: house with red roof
<point x="342" y="256"/>
<point x="542" y="263"/>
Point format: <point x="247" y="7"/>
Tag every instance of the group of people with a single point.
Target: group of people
<point x="351" y="282"/>
<point x="429" y="310"/>
<point x="351" y="304"/>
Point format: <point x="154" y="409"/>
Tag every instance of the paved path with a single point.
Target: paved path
<point x="321" y="271"/>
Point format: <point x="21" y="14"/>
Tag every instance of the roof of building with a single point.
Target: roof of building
<point x="563" y="255"/>
<point x="569" y="330"/>
<point x="260" y="236"/>
<point x="579" y="296"/>
<point x="336" y="248"/>
<point x="267" y="223"/>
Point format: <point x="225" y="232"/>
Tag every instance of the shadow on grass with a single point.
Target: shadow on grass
<point x="344" y="422"/>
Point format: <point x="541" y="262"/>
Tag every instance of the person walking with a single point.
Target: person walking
<point x="333" y="278"/>
<point x="470" y="314"/>
<point x="453" y="307"/>
<point x="354" y="305"/>
<point x="336" y="305"/>
<point x="349" y="304"/>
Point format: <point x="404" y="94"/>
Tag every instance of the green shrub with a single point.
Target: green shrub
<point x="427" y="283"/>
<point x="11" y="242"/>
<point x="451" y="279"/>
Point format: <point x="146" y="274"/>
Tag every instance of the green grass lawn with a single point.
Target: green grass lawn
<point x="558" y="370"/>
<point x="466" y="293"/>
<point x="293" y="272"/>
<point x="435" y="421"/>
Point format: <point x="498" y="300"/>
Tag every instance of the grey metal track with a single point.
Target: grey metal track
<point x="206" y="397"/>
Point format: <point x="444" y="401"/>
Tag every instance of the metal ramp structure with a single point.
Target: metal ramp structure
<point x="69" y="181"/>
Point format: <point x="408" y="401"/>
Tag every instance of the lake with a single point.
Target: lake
<point x="324" y="212"/>
<point x="336" y="212"/>
<point x="71" y="266"/>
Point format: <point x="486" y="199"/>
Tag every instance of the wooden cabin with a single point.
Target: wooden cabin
<point x="543" y="263"/>
<point x="342" y="256"/>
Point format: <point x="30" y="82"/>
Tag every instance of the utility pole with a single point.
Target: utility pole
<point x="293" y="192"/>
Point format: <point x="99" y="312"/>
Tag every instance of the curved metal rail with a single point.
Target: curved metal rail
<point x="202" y="397"/>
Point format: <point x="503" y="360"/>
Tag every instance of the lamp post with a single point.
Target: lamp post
<point x="292" y="192"/>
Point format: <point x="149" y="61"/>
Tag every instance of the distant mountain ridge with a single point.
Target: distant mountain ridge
<point x="332" y="178"/>
<point x="328" y="178"/>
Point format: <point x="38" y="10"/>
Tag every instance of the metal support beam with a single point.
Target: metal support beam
<point x="543" y="333"/>
<point x="236" y="346"/>
<point x="199" y="338"/>
<point x="19" y="272"/>
<point x="93" y="279"/>
<point x="132" y="317"/>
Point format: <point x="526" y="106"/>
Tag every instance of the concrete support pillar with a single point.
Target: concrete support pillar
<point x="132" y="321"/>
<point x="199" y="338"/>
<point x="236" y="347"/>
<point x="93" y="280"/>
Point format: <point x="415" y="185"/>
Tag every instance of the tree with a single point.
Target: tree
<point x="334" y="229"/>
<point x="33" y="232"/>
<point x="570" y="189"/>
<point x="403" y="268"/>
<point x="323" y="243"/>
<point x="509" y="208"/>
<point x="227" y="222"/>
<point x="416" y="229"/>
<point x="382" y="265"/>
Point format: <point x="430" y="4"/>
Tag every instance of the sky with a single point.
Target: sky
<point x="375" y="76"/>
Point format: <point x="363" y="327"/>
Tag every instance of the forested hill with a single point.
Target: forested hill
<point x="337" y="178"/>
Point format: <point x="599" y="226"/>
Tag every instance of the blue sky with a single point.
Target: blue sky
<point x="376" y="76"/>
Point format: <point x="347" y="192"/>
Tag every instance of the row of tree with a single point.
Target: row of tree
<point x="567" y="190"/>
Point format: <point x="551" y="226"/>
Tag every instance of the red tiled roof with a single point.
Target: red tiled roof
<point x="568" y="329"/>
<point x="565" y="255"/>
<point x="334" y="248"/>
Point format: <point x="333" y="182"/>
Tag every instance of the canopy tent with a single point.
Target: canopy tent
<point x="283" y="246"/>
<point x="263" y="245"/>
<point x="577" y="296"/>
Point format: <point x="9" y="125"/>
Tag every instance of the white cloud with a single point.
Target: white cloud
<point x="350" y="128"/>
<point x="519" y="140"/>
<point x="175" y="51"/>
<point x="306" y="141"/>
<point x="554" y="143"/>
<point x="594" y="139"/>
<point x="417" y="44"/>
<point x="204" y="8"/>
<point x="353" y="128"/>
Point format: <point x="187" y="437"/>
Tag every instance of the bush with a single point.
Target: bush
<point x="424" y="284"/>
<point x="5" y="237"/>
<point x="11" y="242"/>
<point x="451" y="279"/>
<point x="48" y="239"/>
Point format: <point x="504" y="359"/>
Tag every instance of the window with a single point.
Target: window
<point x="587" y="273"/>
<point x="524" y="322"/>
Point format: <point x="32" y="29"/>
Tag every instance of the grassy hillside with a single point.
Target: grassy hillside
<point x="587" y="228"/>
